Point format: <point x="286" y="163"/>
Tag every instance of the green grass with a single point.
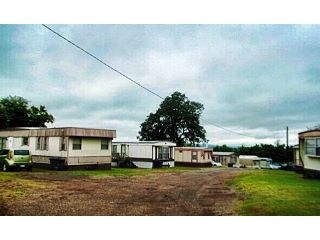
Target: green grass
<point x="277" y="193"/>
<point x="125" y="172"/>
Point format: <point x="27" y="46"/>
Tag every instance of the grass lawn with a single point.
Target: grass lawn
<point x="277" y="193"/>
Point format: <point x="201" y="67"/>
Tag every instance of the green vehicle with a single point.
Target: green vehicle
<point x="15" y="159"/>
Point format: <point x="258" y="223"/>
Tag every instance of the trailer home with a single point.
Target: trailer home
<point x="143" y="154"/>
<point x="309" y="149"/>
<point x="193" y="156"/>
<point x="62" y="148"/>
<point x="225" y="158"/>
<point x="249" y="161"/>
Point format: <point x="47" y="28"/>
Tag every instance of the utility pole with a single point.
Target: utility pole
<point x="287" y="147"/>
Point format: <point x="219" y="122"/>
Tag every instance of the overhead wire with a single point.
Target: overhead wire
<point x="130" y="79"/>
<point x="98" y="59"/>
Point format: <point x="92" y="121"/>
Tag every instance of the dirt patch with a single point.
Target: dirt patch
<point x="201" y="193"/>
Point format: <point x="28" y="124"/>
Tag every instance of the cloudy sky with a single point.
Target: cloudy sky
<point x="252" y="79"/>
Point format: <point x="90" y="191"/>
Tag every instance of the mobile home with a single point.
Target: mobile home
<point x="63" y="148"/>
<point x="249" y="161"/>
<point x="193" y="156"/>
<point x="225" y="158"/>
<point x="143" y="154"/>
<point x="309" y="148"/>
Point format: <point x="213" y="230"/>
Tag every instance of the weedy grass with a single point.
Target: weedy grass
<point x="12" y="186"/>
<point x="277" y="193"/>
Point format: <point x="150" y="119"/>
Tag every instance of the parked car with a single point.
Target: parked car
<point x="287" y="166"/>
<point x="14" y="159"/>
<point x="216" y="164"/>
<point x="238" y="165"/>
<point x="275" y="166"/>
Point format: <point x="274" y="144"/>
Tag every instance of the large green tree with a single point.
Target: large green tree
<point x="16" y="112"/>
<point x="176" y="120"/>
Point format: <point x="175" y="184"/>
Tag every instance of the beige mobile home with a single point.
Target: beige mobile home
<point x="225" y="158"/>
<point x="62" y="148"/>
<point x="296" y="157"/>
<point x="143" y="154"/>
<point x="193" y="156"/>
<point x="309" y="148"/>
<point x="249" y="161"/>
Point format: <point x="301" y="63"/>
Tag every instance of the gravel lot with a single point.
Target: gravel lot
<point x="201" y="193"/>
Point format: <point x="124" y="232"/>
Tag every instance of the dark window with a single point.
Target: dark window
<point x="4" y="152"/>
<point x="21" y="152"/>
<point x="104" y="144"/>
<point x="25" y="141"/>
<point x="3" y="143"/>
<point x="63" y="143"/>
<point x="76" y="144"/>
<point x="114" y="149"/>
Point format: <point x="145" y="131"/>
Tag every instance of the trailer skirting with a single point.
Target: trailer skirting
<point x="311" y="173"/>
<point x="193" y="164"/>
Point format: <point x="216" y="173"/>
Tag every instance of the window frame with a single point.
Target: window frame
<point x="104" y="145"/>
<point x="42" y="143"/>
<point x="63" y="144"/>
<point x="312" y="146"/>
<point x="77" y="146"/>
<point x="23" y="142"/>
<point x="114" y="149"/>
<point x="163" y="153"/>
<point x="194" y="155"/>
<point x="3" y="142"/>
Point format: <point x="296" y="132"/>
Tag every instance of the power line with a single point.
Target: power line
<point x="226" y="129"/>
<point x="129" y="78"/>
<point x="98" y="59"/>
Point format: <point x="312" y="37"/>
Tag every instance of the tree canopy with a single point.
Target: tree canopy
<point x="277" y="152"/>
<point x="177" y="120"/>
<point x="16" y="112"/>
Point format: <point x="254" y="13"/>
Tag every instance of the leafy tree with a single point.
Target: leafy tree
<point x="15" y="112"/>
<point x="39" y="116"/>
<point x="176" y="120"/>
<point x="223" y="148"/>
<point x="277" y="152"/>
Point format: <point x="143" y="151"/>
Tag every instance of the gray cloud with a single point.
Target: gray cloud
<point x="253" y="79"/>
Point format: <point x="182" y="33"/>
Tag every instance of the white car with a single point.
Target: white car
<point x="275" y="166"/>
<point x="216" y="164"/>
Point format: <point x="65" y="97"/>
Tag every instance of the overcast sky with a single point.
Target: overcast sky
<point x="252" y="79"/>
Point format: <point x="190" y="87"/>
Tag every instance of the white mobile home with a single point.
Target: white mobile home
<point x="144" y="154"/>
<point x="309" y="148"/>
<point x="265" y="162"/>
<point x="193" y="156"/>
<point x="67" y="148"/>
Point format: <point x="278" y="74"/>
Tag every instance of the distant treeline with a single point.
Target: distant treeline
<point x="277" y="152"/>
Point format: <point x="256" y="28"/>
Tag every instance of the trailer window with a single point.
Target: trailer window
<point x="76" y="144"/>
<point x="42" y="143"/>
<point x="25" y="141"/>
<point x="3" y="142"/>
<point x="163" y="153"/>
<point x="312" y="146"/>
<point x="194" y="155"/>
<point x="104" y="144"/>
